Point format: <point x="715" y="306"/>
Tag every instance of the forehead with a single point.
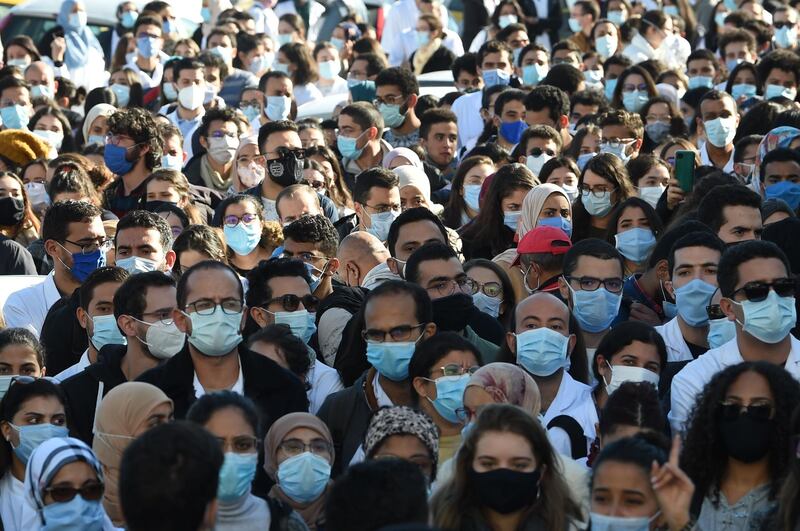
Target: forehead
<point x="422" y="230"/>
<point x="717" y="105"/>
<point x="542" y="306"/>
<point x="137" y="234"/>
<point x="599" y="267"/>
<point x="390" y="310"/>
<point x="440" y="268"/>
<point x="212" y="284"/>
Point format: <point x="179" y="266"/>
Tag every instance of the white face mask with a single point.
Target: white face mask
<point x="622" y="373"/>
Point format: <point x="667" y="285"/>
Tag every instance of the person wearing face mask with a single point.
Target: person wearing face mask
<point x="222" y="43"/>
<point x="81" y="53"/>
<point x="396" y="96"/>
<point x="402" y="18"/>
<point x="211" y="312"/>
<point x="758" y="295"/>
<point x="248" y="167"/>
<point x="542" y="343"/>
<point x="313" y="240"/>
<point x="218" y="134"/>
<point x="298" y="454"/>
<point x="147" y="61"/>
<point x="15" y="103"/>
<point x="583" y="15"/>
<point x="397" y="315"/>
<point x="780" y="176"/>
<point x="779" y="70"/>
<point x="603" y="184"/>
<point x="719" y="122"/>
<point x="537" y="145"/>
<point x="633" y="89"/>
<point x="785" y="22"/>
<point x="377" y="201"/>
<point x="438" y="373"/>
<point x="509" y="113"/>
<point x="143" y="243"/>
<point x="22" y="354"/>
<point x="720" y="329"/>
<point x="633" y="229"/>
<point x="359" y="140"/>
<point x="40" y="77"/>
<point x="507" y="490"/>
<point x="732" y="448"/>
<point x="189" y="83"/>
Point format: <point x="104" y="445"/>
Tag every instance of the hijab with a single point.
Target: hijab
<point x="416" y="177"/>
<point x="243" y="142"/>
<point x="314" y="511"/>
<point x="79" y="40"/>
<point x="404" y="152"/>
<point x="508" y="384"/>
<point x="101" y="109"/>
<point x="120" y="414"/>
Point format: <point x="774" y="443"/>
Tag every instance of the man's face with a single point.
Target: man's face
<point x="692" y="263"/>
<point x="280" y="286"/>
<point x="414" y="235"/>
<point x="142" y="243"/>
<point x="223" y="42"/>
<point x="16" y="96"/>
<point x="188" y="77"/>
<point x="513" y="111"/>
<point x="566" y="57"/>
<point x="497" y="61"/>
<point x="382" y="314"/>
<point x="279" y="86"/>
<point x="311" y="137"/>
<point x="540" y="117"/>
<point x="208" y="286"/>
<point x="359" y="69"/>
<point x="38" y="74"/>
<point x="518" y="39"/>
<point x="739" y="50"/>
<point x="380" y="200"/>
<point x="591" y="267"/>
<point x="252" y="97"/>
<point x="579" y="110"/>
<point x="160" y="307"/>
<point x="776" y="172"/>
<point x="102" y="303"/>
<point x="213" y="77"/>
<point x="282" y="139"/>
<point x="350" y="129"/>
<point x="741" y="223"/>
<point x="391" y="95"/>
<point x="152" y="31"/>
<point x="780" y="77"/>
<point x="173" y="146"/>
<point x="441" y="278"/>
<point x="701" y="67"/>
<point x="766" y="270"/>
<point x="545" y="144"/>
<point x="297" y="206"/>
<point x="466" y="81"/>
<point x="80" y="234"/>
<point x="541" y="310"/>
<point x="441" y="142"/>
<point x="585" y="19"/>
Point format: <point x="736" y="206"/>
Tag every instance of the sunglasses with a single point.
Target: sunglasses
<point x="63" y="494"/>
<point x="731" y="411"/>
<point x="758" y="291"/>
<point x="291" y="302"/>
<point x="714" y="311"/>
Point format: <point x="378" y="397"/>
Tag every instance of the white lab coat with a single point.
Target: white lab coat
<point x="28" y="307"/>
<point x="573" y="399"/>
<point x="689" y="382"/>
<point x="677" y="349"/>
<point x="467" y="109"/>
<point x="74" y="369"/>
<point x="403" y="15"/>
<point x="324" y="381"/>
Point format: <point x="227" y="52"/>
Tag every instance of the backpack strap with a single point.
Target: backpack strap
<point x="577" y="440"/>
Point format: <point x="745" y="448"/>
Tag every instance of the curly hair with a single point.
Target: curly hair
<point x="704" y="458"/>
<point x="140" y="125"/>
<point x="314" y="229"/>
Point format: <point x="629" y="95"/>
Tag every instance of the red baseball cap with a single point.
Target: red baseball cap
<point x="544" y="239"/>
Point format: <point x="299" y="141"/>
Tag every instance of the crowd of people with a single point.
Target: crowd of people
<point x="262" y="273"/>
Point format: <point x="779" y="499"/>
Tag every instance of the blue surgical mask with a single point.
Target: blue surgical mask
<point x="223" y="52"/>
<point x="786" y="37"/>
<point x="348" y="147"/>
<point x="77" y="513"/>
<point x="168" y="26"/>
<point x="595" y="310"/>
<point x="392" y="117"/>
<point x="136" y="264"/>
<point x="773" y="91"/>
<point x="506" y="20"/>
<point x="123" y="94"/>
<point x="634" y="101"/>
<point x="769" y="320"/>
<point x="606" y="45"/>
<point x="381" y="223"/>
<point x="423" y="38"/>
<point x="391" y="358"/>
<point x="511" y="219"/>
<point x="635" y="244"/>
<point x="116" y="160"/>
<point x="472" y="194"/>
<point x="743" y="90"/>
<point x="170" y="92"/>
<point x="337" y="43"/>
<point x="128" y="19"/>
<point x="280" y="67"/>
<point x="557" y="222"/>
<point x="148" y="47"/>
<point x="611" y="85"/>
<point x="617" y="17"/>
<point x="304" y="477"/>
<point x="596" y="206"/>
<point x="278" y="107"/>
<point x="243" y="238"/>
<point x="95" y="139"/>
<point x="205" y="13"/>
<point x="251" y="112"/>
<point x="700" y="81"/>
<point x="31" y="436"/>
<point x="512" y="131"/>
<point x="106" y="332"/>
<point x="534" y="74"/>
<point x="172" y="162"/>
<point x="41" y="91"/>
<point x="261" y="63"/>
<point x="720" y="331"/>
<point x="602" y="522"/>
<point x="329" y="69"/>
<point x="15" y="117"/>
<point x="720" y="131"/>
<point x="315" y="279"/>
<point x="619" y="150"/>
<point x="584" y="159"/>
<point x="495" y="77"/>
<point x="236" y="475"/>
<point x="215" y="334"/>
<point x="284" y="38"/>
<point x="657" y="131"/>
<point x="450" y="396"/>
<point x="692" y="299"/>
<point x="788" y="191"/>
<point x="542" y="351"/>
<point x="487" y="304"/>
<point x="301" y="322"/>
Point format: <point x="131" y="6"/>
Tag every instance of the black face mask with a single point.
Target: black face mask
<point x="453" y="312"/>
<point x="746" y="439"/>
<point x="504" y="490"/>
<point x="285" y="171"/>
<point x="12" y="211"/>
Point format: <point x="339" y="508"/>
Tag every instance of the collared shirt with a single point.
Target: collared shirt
<point x="324" y="381"/>
<point x="76" y="368"/>
<point x="573" y="399"/>
<point x="705" y="160"/>
<point x="187" y="127"/>
<point x="238" y="387"/>
<point x="147" y="81"/>
<point x="677" y="348"/>
<point x="27" y="308"/>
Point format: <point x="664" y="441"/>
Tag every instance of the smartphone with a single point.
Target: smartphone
<point x="684" y="169"/>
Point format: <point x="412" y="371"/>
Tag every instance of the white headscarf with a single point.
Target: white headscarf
<point x="101" y="109"/>
<point x="413" y="176"/>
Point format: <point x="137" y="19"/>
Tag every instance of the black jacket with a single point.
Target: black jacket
<point x="441" y="59"/>
<point x="63" y="338"/>
<point x="81" y="389"/>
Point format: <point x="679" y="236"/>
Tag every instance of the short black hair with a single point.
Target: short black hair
<point x="435" y="116"/>
<point x="695" y="239"/>
<point x="493" y="46"/>
<point x="429" y="251"/>
<point x="777" y="155"/>
<point x="148" y="19"/>
<point x="784" y="60"/>
<point x="364" y="114"/>
<point x="410" y="216"/>
<point x="185" y="63"/>
<point x="168" y="476"/>
<point x="710" y="210"/>
<point x="146" y="220"/>
<point x="429" y="352"/>
<point x="291" y="347"/>
<point x="670" y="236"/>
<point x="58" y="217"/>
<point x="594" y="247"/>
<point x="22" y="336"/>
<point x="589" y="98"/>
<point x="314" y="229"/>
<point x="373" y="177"/>
<point x="507" y="96"/>
<point x="278" y="126"/>
<point x="224" y="115"/>
<point x="736" y="255"/>
<point x="633" y="404"/>
<point x="258" y="290"/>
<point x="548" y="97"/>
<point x="622" y="335"/>
<point x="140" y="125"/>
<point x="565" y="77"/>
<point x="377" y="494"/>
<point x="393" y="288"/>
<point x="183" y="283"/>
<point x="467" y="62"/>
<point x="97" y="277"/>
<point x="401" y="77"/>
<point x="375" y="63"/>
<point x="131" y="297"/>
<point x="272" y="74"/>
<point x="208" y="404"/>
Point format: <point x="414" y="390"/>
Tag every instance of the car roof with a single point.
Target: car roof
<point x="98" y="11"/>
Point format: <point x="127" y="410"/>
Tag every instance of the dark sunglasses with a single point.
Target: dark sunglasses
<point x="291" y="302"/>
<point x="731" y="411"/>
<point x="714" y="311"/>
<point x="63" y="494"/>
<point x="758" y="291"/>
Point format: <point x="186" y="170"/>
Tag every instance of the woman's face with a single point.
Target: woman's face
<point x="655" y="176"/>
<point x="632" y="217"/>
<point x="478" y="174"/>
<point x="474" y="399"/>
<point x="10" y="187"/>
<point x="305" y="436"/>
<point x="119" y="78"/>
<point x="487" y="280"/>
<point x="632" y="82"/>
<point x="174" y="222"/>
<point x="99" y="127"/>
<point x="496" y="449"/>
<point x="325" y="164"/>
<point x="598" y="184"/>
<point x="563" y="176"/>
<point x="162" y="191"/>
<point x="284" y="28"/>
<point x="622" y="489"/>
<point x="161" y="414"/>
<point x="285" y="60"/>
<point x="184" y="50"/>
<point x="408" y="448"/>
<point x="513" y="201"/>
<point x="411" y="197"/>
<point x="19" y="359"/>
<point x="77" y="474"/>
<point x="34" y="411"/>
<point x="235" y="434"/>
<point x="49" y="123"/>
<point x="658" y="112"/>
<point x="590" y="144"/>
<point x="637" y="354"/>
<point x="15" y="51"/>
<point x="35" y="173"/>
<point x="605" y="28"/>
<point x="191" y="257"/>
<point x="328" y="54"/>
<point x="314" y="179"/>
<point x="744" y="76"/>
<point x="750" y="389"/>
<point x="556" y="205"/>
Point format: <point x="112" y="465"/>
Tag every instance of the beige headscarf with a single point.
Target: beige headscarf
<point x="508" y="384"/>
<point x="119" y="416"/>
<point x="313" y="512"/>
<point x="101" y="109"/>
<point x="236" y="184"/>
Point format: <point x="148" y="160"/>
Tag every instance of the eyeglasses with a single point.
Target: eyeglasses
<point x="448" y="287"/>
<point x="63" y="494"/>
<point x="758" y="291"/>
<point x="733" y="410"/>
<point x="714" y="311"/>
<point x="291" y="302"/>
<point x="596" y="191"/>
<point x="297" y="447"/>
<point x="242" y="444"/>
<point x="282" y="152"/>
<point x="454" y="369"/>
<point x="390" y="100"/>
<point x="88" y="248"/>
<point x="207" y="306"/>
<point x="779" y="25"/>
<point x="231" y="221"/>
<point x="490" y="289"/>
<point x="464" y="414"/>
<point x="631" y="87"/>
<point x="614" y="285"/>
<point x="316" y="185"/>
<point x="398" y="333"/>
<point x="382" y="209"/>
<point x="222" y="134"/>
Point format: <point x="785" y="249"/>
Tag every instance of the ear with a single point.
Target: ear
<point x="564" y="290"/>
<point x="496" y="121"/>
<point x="182" y="321"/>
<point x="662" y="270"/>
<point x="484" y="115"/>
<point x="6" y="430"/>
<point x="728" y="308"/>
<point x="602" y="366"/>
<point x="51" y="248"/>
<point x="412" y="101"/>
<point x="203" y="141"/>
<point x="127" y="325"/>
<point x="429" y="330"/>
<point x="260" y="317"/>
<point x="668" y="287"/>
<point x="511" y="341"/>
<point x="637" y="145"/>
<point x="563" y="121"/>
<point x="170" y="258"/>
<point x="420" y="386"/>
<point x="83" y="318"/>
<point x="424" y="143"/>
<point x="392" y="264"/>
<point x="332" y="267"/>
<point x="359" y="210"/>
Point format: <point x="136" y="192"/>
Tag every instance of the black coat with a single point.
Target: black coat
<point x="442" y="59"/>
<point x="63" y="338"/>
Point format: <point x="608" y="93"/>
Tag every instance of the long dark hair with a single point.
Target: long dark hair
<point x="68" y="144"/>
<point x="704" y="458"/>
<point x="509" y="296"/>
<point x="451" y="216"/>
<point x="788" y="508"/>
<point x="610" y="168"/>
<point x="633" y="202"/>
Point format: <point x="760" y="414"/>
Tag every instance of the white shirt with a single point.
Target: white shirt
<point x="339" y="87"/>
<point x="689" y="382"/>
<point x="12" y="501"/>
<point x="146" y="79"/>
<point x="28" y="307"/>
<point x="467" y="109"/>
<point x="401" y="16"/>
<point x="324" y="381"/>
<point x="705" y="160"/>
<point x="238" y="387"/>
<point x="573" y="399"/>
<point x="677" y="349"/>
<point x="305" y="93"/>
<point x="76" y="368"/>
